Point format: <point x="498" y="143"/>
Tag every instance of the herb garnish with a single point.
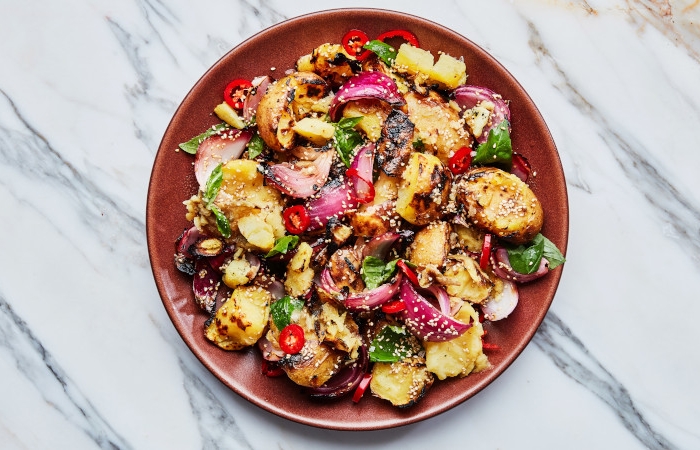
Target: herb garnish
<point x="497" y="149"/>
<point x="283" y="245"/>
<point x="526" y="259"/>
<point x="255" y="146"/>
<point x="347" y="138"/>
<point x="392" y="344"/>
<point x="376" y="272"/>
<point x="192" y="145"/>
<point x="384" y="51"/>
<point x="283" y="309"/>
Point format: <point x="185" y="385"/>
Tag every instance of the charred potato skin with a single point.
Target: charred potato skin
<point x="396" y="143"/>
<point x="500" y="203"/>
<point x="431" y="245"/>
<point x="424" y="189"/>
<point x="287" y="100"/>
<point x="403" y="383"/>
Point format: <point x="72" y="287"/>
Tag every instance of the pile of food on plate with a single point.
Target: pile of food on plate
<point x="359" y="218"/>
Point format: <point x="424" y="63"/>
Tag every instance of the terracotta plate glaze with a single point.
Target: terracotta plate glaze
<point x="272" y="52"/>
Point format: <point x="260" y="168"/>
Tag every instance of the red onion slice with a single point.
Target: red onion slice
<point x="501" y="306"/>
<point x="502" y="268"/>
<point x="366" y="85"/>
<point x="374" y="298"/>
<point x="443" y="299"/>
<point x="379" y="246"/>
<point x="521" y="167"/>
<point x="424" y="320"/>
<point x="468" y="97"/>
<point x="300" y="181"/>
<point x="219" y="149"/>
<point x="269" y="352"/>
<point x="205" y="285"/>
<point x="250" y="105"/>
<point x="346" y="380"/>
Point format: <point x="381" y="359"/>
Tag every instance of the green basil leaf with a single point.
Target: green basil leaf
<point x="222" y="222"/>
<point x="347" y="138"/>
<point x="418" y="145"/>
<point x="384" y="51"/>
<point x="283" y="309"/>
<point x="497" y="149"/>
<point x="192" y="145"/>
<point x="283" y="245"/>
<point x="213" y="185"/>
<point x="376" y="272"/>
<point x="526" y="259"/>
<point x="392" y="344"/>
<point x="552" y="253"/>
<point x="255" y="146"/>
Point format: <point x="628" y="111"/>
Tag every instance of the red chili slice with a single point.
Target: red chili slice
<point x="270" y="369"/>
<point x="235" y="92"/>
<point x="353" y="41"/>
<point x="460" y="161"/>
<point x="363" y="190"/>
<point x="486" y="251"/>
<point x="296" y="219"/>
<point x="488" y="346"/>
<point x="292" y="339"/>
<point x="410" y="274"/>
<point x="362" y="387"/>
<point x="404" y="34"/>
<point x="393" y="306"/>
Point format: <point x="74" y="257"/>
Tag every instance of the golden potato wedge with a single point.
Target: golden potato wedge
<point x="500" y="203"/>
<point x="448" y="72"/>
<point x="300" y="275"/>
<point x="315" y="364"/>
<point x="373" y="112"/>
<point x="331" y="62"/>
<point x="424" y="189"/>
<point x="241" y="320"/>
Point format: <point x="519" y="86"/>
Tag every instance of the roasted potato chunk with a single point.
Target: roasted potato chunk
<point x="373" y="113"/>
<point x="241" y="320"/>
<point x="315" y="364"/>
<point x="339" y="329"/>
<point x="438" y="126"/>
<point x="462" y="355"/>
<point x="287" y="100"/>
<point x="431" y="245"/>
<point x="402" y="383"/>
<point x="344" y="266"/>
<point x="424" y="189"/>
<point x="332" y="62"/>
<point x="500" y="203"/>
<point x="300" y="275"/>
<point x="396" y="143"/>
<point x="466" y="279"/>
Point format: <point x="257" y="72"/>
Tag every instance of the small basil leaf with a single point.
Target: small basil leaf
<point x="497" y="149"/>
<point x="552" y="253"/>
<point x="255" y="146"/>
<point x="283" y="245"/>
<point x="222" y="222"/>
<point x="347" y="138"/>
<point x="213" y="185"/>
<point x="192" y="145"/>
<point x="392" y="344"/>
<point x="376" y="272"/>
<point x="283" y="309"/>
<point x="526" y="259"/>
<point x="384" y="51"/>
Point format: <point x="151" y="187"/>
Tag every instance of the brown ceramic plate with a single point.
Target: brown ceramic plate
<point x="271" y="52"/>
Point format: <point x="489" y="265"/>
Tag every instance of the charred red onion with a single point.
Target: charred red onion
<point x="297" y="179"/>
<point x="346" y="380"/>
<point x="502" y="268"/>
<point x="363" y="86"/>
<point x="250" y="105"/>
<point x="219" y="149"/>
<point x="205" y="285"/>
<point x="424" y="320"/>
<point x="469" y="96"/>
<point x="502" y="304"/>
<point x="374" y="298"/>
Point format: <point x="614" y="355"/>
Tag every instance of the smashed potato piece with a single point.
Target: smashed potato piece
<point x="448" y="72"/>
<point x="241" y="320"/>
<point x="431" y="245"/>
<point x="316" y="131"/>
<point x="403" y="383"/>
<point x="462" y="355"/>
<point x="300" y="275"/>
<point x="467" y="280"/>
<point x="424" y="189"/>
<point x="499" y="202"/>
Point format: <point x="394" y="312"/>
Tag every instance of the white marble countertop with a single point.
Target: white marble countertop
<point x="88" y="356"/>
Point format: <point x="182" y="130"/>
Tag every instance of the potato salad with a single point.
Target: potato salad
<point x="360" y="218"/>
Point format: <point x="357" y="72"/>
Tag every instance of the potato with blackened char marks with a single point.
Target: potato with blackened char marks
<point x="424" y="189"/>
<point x="500" y="203"/>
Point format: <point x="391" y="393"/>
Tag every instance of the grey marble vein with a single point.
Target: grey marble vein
<point x="570" y="355"/>
<point x="27" y="151"/>
<point x="217" y="427"/>
<point x="648" y="175"/>
<point x="57" y="389"/>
